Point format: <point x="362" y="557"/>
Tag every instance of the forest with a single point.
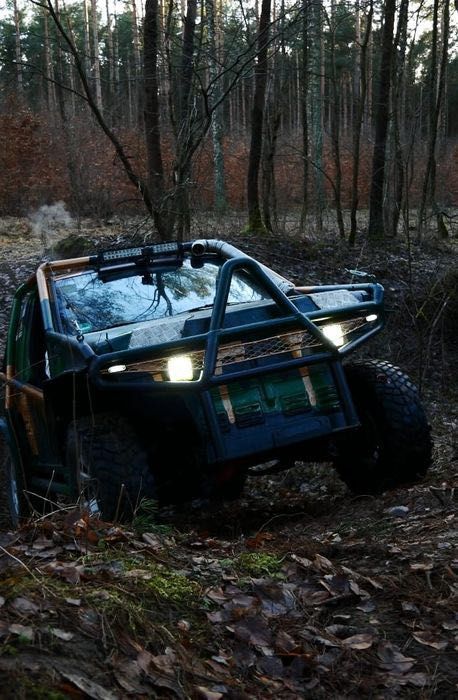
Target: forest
<point x="292" y="112"/>
<point x="320" y="137"/>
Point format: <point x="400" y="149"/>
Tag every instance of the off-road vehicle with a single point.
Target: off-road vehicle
<point x="172" y="371"/>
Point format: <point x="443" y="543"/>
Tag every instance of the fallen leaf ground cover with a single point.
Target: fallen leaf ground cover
<point x="299" y="589"/>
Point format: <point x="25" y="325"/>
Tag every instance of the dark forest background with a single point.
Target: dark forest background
<point x="284" y="110"/>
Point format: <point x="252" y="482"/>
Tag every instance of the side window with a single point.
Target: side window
<point x="30" y="360"/>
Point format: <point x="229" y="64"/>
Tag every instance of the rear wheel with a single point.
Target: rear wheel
<point x="110" y="467"/>
<point x="393" y="445"/>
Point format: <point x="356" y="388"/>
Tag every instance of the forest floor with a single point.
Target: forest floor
<point x="297" y="590"/>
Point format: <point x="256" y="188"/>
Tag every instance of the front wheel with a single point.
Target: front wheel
<point x="109" y="466"/>
<point x="393" y="445"/>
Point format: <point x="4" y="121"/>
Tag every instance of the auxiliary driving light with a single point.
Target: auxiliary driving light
<point x="334" y="333"/>
<point x="180" y="368"/>
<point x="116" y="368"/>
<point x="371" y="317"/>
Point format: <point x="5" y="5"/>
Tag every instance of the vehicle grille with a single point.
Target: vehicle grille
<point x="296" y="344"/>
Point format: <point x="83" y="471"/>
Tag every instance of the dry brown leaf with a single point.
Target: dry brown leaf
<point x="392" y="659"/>
<point x="217" y="595"/>
<point x="337" y="585"/>
<point x="255" y="631"/>
<point x="61" y="634"/>
<point x="359" y="641"/>
<point x="93" y="690"/>
<point x="322" y="563"/>
<point x="450" y="625"/>
<point x="429" y="639"/>
<point x="207" y="694"/>
<point x="284" y="642"/>
<point x="160" y="672"/>
<point x="422" y="566"/>
<point x="258" y="540"/>
<point x="26" y="633"/>
<point x="73" y="601"/>
<point x="24" y="606"/>
<point x="409" y="607"/>
<point x="303" y="561"/>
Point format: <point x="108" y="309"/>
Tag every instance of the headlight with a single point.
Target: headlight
<point x="334" y="333"/>
<point x="180" y="369"/>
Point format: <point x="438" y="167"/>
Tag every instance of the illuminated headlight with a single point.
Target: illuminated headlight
<point x="180" y="369"/>
<point x="116" y="368"/>
<point x="371" y="317"/>
<point x="334" y="333"/>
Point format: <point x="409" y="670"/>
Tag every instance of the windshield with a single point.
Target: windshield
<point x="91" y="302"/>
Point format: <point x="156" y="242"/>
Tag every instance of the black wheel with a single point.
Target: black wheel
<point x="109" y="466"/>
<point x="393" y="445"/>
<point x="18" y="505"/>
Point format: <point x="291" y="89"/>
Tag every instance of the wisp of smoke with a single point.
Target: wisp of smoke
<point x="47" y="220"/>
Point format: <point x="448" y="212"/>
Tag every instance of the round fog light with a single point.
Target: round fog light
<point x="334" y="333"/>
<point x="180" y="368"/>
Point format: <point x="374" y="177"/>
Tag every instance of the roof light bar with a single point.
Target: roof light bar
<point x="120" y="254"/>
<point x="137" y="254"/>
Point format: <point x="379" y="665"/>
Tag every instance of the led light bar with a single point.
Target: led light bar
<point x="161" y="248"/>
<point x="137" y="254"/>
<point x="108" y="256"/>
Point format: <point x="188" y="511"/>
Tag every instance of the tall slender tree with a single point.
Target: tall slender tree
<point x="255" y="223"/>
<point x="435" y="103"/>
<point x="316" y="104"/>
<point x="376" y="227"/>
<point x="360" y="94"/>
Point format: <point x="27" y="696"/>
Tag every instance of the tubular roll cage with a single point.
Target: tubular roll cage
<point x="214" y="337"/>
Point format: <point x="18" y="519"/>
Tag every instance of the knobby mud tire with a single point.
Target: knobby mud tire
<point x="393" y="446"/>
<point x="106" y="447"/>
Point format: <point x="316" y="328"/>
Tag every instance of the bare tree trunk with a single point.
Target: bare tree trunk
<point x="110" y="58"/>
<point x="316" y="98"/>
<point x="182" y="167"/>
<point x="436" y="93"/>
<point x="304" y="113"/>
<point x="96" y="55"/>
<point x="255" y="223"/>
<point x="335" y="128"/>
<point x="17" y="47"/>
<point x="376" y="228"/>
<point x="360" y="99"/>
<point x="152" y="126"/>
<point x="217" y="119"/>
<point x="49" y="68"/>
<point x="116" y="104"/>
<point x="269" y="199"/>
<point x="136" y="67"/>
<point x="87" y="40"/>
<point x="397" y="111"/>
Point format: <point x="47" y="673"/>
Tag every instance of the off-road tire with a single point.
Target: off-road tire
<point x="393" y="445"/>
<point x="106" y="447"/>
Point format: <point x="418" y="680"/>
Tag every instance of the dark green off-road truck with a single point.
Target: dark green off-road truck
<point x="169" y="371"/>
